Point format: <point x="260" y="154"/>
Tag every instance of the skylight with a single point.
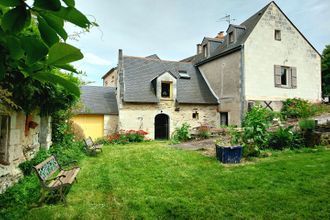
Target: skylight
<point x="183" y="74"/>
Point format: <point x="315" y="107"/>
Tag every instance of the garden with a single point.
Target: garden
<point x="281" y="176"/>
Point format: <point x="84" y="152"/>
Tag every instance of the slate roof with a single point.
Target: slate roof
<point x="248" y="25"/>
<point x="98" y="100"/>
<point x="138" y="73"/>
<point x="153" y="56"/>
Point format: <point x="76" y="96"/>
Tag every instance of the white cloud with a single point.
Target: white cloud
<point x="96" y="60"/>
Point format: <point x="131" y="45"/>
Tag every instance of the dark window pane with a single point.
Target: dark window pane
<point x="165" y="90"/>
<point x="284" y="73"/>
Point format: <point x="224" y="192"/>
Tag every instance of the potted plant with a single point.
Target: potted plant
<point x="229" y="151"/>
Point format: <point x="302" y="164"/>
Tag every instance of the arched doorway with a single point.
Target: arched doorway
<point x="162" y="126"/>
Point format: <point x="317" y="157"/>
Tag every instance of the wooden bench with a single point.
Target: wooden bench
<point x="91" y="147"/>
<point x="53" y="178"/>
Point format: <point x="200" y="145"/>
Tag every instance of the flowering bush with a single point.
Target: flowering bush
<point x="123" y="137"/>
<point x="297" y="108"/>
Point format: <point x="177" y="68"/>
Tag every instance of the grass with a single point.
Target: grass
<point x="151" y="180"/>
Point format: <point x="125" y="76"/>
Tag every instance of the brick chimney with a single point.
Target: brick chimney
<point x="220" y="35"/>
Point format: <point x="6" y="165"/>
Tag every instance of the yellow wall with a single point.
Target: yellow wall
<point x="93" y="125"/>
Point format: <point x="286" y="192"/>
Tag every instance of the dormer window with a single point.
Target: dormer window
<point x="231" y="37"/>
<point x="277" y="35"/>
<point x="205" y="50"/>
<point x="166" y="90"/>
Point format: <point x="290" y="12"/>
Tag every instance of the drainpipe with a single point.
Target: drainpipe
<point x="242" y="85"/>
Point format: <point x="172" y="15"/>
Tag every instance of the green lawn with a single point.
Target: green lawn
<point x="151" y="180"/>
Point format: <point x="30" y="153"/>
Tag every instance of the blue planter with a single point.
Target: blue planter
<point x="231" y="154"/>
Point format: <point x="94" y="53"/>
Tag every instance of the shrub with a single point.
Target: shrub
<point x="255" y="125"/>
<point x="204" y="132"/>
<point x="67" y="153"/>
<point x="307" y="124"/>
<point x="135" y="136"/>
<point x="77" y="131"/>
<point x="297" y="108"/>
<point x="251" y="151"/>
<point x="123" y="137"/>
<point x="27" y="166"/>
<point x="285" y="138"/>
<point x="181" y="133"/>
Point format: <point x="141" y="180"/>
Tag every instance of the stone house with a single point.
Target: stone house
<point x="265" y="60"/>
<point x="99" y="115"/>
<point x="21" y="138"/>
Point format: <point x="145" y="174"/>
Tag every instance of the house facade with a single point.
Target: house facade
<point x="265" y="60"/>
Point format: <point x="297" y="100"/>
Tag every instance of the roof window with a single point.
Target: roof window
<point x="183" y="74"/>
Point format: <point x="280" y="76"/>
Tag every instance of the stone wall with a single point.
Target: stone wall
<point x="142" y="116"/>
<point x="110" y="124"/>
<point x="22" y="146"/>
<point x="111" y="79"/>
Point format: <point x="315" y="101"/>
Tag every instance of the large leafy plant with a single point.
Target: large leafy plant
<point x="255" y="125"/>
<point x="32" y="40"/>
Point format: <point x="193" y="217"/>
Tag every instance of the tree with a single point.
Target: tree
<point x="32" y="40"/>
<point x="326" y="71"/>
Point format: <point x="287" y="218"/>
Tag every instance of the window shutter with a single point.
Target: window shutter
<point x="293" y="77"/>
<point x="277" y="75"/>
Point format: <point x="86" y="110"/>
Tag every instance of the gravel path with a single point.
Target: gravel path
<point x="196" y="145"/>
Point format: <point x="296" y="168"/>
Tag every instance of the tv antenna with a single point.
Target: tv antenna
<point x="227" y="19"/>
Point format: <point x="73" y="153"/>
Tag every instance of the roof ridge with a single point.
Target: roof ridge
<point x="144" y="58"/>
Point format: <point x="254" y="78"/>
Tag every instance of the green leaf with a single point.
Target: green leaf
<point x="69" y="2"/>
<point x="62" y="53"/>
<point x="74" y="16"/>
<point x="16" y="19"/>
<point x="14" y="46"/>
<point x="53" y="5"/>
<point x="56" y="79"/>
<point x="67" y="67"/>
<point x="10" y="3"/>
<point x="2" y="66"/>
<point x="56" y="23"/>
<point x="47" y="33"/>
<point x="35" y="49"/>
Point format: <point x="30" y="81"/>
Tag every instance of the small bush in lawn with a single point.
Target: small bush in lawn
<point x="297" y="108"/>
<point x="285" y="138"/>
<point x="181" y="133"/>
<point x="204" y="132"/>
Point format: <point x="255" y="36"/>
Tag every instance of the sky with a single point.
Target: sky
<point x="172" y="28"/>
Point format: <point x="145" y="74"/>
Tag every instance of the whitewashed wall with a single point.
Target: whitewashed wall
<point x="262" y="52"/>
